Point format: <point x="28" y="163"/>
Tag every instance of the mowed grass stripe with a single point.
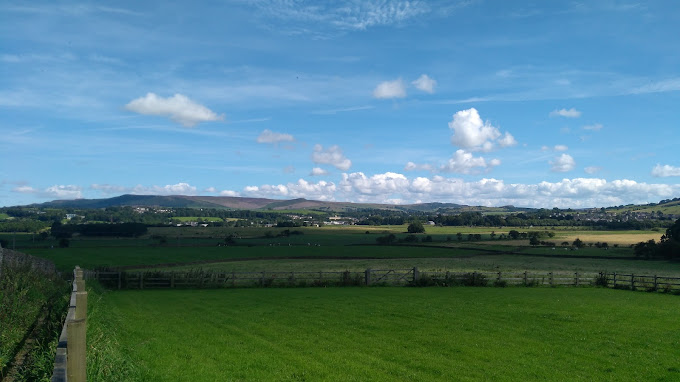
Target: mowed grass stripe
<point x="379" y="334"/>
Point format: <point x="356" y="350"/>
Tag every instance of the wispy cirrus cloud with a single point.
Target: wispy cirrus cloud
<point x="268" y="136"/>
<point x="568" y="113"/>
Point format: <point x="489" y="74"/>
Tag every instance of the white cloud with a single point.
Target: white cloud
<point x="178" y="107"/>
<point x="211" y="190"/>
<point x="561" y="148"/>
<point x="660" y="171"/>
<point x="568" y="113"/>
<point x="575" y="193"/>
<point x="410" y="166"/>
<point x="471" y="133"/>
<point x="170" y="189"/>
<point x="507" y="140"/>
<point x="594" y="127"/>
<point x="332" y="156"/>
<point x="390" y="89"/>
<point x="318" y="171"/>
<point x="268" y="136"/>
<point x="425" y="83"/>
<point x="592" y="169"/>
<point x="384" y="184"/>
<point x="562" y="163"/>
<point x="229" y="193"/>
<point x="63" y="192"/>
<point x="301" y="189"/>
<point x="464" y="162"/>
<point x="25" y="190"/>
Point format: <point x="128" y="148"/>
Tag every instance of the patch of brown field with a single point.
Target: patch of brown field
<point x="622" y="239"/>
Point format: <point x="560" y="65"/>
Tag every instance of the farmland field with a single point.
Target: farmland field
<point x="365" y="334"/>
<point x="337" y="248"/>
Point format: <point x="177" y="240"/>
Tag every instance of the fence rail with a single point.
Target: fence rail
<point x="69" y="361"/>
<point x="645" y="282"/>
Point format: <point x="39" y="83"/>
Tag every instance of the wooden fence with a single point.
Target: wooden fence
<point x="70" y="360"/>
<point x="640" y="282"/>
<point x="411" y="276"/>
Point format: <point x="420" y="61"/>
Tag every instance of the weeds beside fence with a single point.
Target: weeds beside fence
<point x="31" y="298"/>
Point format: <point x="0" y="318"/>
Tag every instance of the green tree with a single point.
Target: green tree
<point x="416" y="227"/>
<point x="578" y="243"/>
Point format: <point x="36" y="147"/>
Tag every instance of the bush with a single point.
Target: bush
<point x="416" y="227"/>
<point x="601" y="280"/>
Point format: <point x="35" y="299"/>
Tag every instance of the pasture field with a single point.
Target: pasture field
<point x="378" y="334"/>
<point x="463" y="263"/>
<point x="195" y="219"/>
<point x="337" y="248"/>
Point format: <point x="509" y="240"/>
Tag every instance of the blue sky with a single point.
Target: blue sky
<point x="537" y="104"/>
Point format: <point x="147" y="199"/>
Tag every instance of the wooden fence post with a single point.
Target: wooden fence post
<point x="416" y="274"/>
<point x="551" y="278"/>
<point x="576" y="278"/>
<point x="141" y="280"/>
<point x="656" y="284"/>
<point x="632" y="281"/>
<point x="498" y="279"/>
<point x="614" y="282"/>
<point x="367" y="276"/>
<point x="120" y="279"/>
<point x="525" y="278"/>
<point x="75" y="345"/>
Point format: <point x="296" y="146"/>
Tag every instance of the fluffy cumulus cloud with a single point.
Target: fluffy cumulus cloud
<point x="378" y="184"/>
<point x="425" y="83"/>
<point x="332" y="156"/>
<point x="318" y="171"/>
<point x="471" y="133"/>
<point x="321" y="190"/>
<point x="268" y="136"/>
<point x="178" y="108"/>
<point x="463" y="162"/>
<point x="390" y="89"/>
<point x="568" y="113"/>
<point x="229" y="193"/>
<point x="562" y="163"/>
<point x="578" y="192"/>
<point x="660" y="171"/>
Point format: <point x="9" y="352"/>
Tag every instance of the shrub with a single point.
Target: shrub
<point x="416" y="227"/>
<point x="473" y="279"/>
<point x="601" y="280"/>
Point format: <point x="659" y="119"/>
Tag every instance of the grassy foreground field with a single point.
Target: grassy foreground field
<point x="379" y="334"/>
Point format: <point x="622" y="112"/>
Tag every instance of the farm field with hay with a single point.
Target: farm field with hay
<point x="377" y="334"/>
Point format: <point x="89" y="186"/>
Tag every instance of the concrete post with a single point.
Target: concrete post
<point x="75" y="345"/>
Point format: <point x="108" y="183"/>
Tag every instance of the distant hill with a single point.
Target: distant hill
<point x="241" y="203"/>
<point x="668" y="206"/>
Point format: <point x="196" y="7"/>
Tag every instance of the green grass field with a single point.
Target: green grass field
<point x="380" y="334"/>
